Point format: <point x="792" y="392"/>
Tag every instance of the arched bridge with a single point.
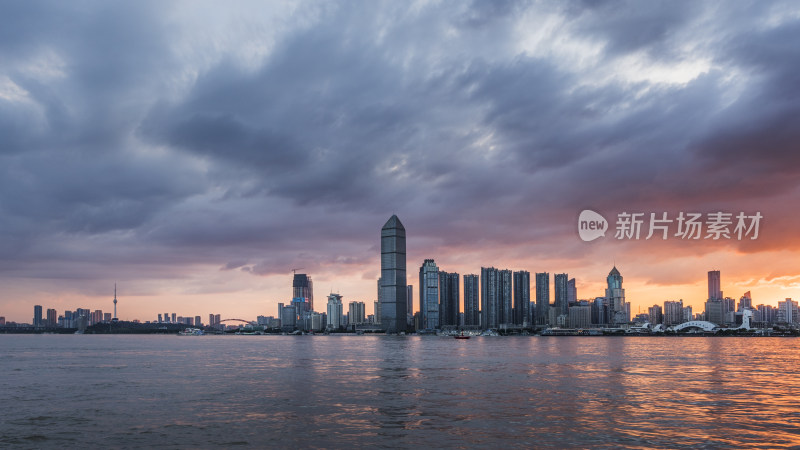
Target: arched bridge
<point x="702" y="324"/>
<point x="239" y="320"/>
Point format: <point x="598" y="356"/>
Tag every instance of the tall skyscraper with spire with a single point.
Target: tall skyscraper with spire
<point x="393" y="276"/>
<point x="615" y="296"/>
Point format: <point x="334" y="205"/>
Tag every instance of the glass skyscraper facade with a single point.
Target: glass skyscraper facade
<point x="560" y="281"/>
<point x="489" y="289"/>
<point x="714" y="286"/>
<point x="471" y="300"/>
<point x="448" y="299"/>
<point x="429" y="294"/>
<point x="620" y="311"/>
<point x="522" y="297"/>
<point x="37" y="316"/>
<point x="496" y="290"/>
<point x="542" y="298"/>
<point x="393" y="276"/>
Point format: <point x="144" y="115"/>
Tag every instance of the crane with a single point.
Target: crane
<point x="294" y="271"/>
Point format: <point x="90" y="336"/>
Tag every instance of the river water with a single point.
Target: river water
<point x="384" y="391"/>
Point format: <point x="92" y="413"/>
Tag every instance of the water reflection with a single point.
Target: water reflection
<point x="401" y="391"/>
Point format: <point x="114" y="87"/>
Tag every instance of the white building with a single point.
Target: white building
<point x="673" y="313"/>
<point x="356" y="313"/>
<point x="787" y="312"/>
<point x="335" y="316"/>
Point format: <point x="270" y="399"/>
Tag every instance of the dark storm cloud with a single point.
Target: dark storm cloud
<point x="70" y="93"/>
<point x="629" y="26"/>
<point x="320" y="121"/>
<point x="433" y="112"/>
<point x="760" y="133"/>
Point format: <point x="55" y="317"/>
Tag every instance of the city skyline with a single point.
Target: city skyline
<point x="504" y="303"/>
<point x="197" y="154"/>
<point x="610" y="311"/>
<point x="491" y="304"/>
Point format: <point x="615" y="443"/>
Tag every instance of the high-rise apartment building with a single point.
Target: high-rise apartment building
<point x="673" y="313"/>
<point x="729" y="310"/>
<point x="542" y="298"/>
<point x="506" y="311"/>
<point x="449" y="307"/>
<point x="37" y="316"/>
<point x="496" y="297"/>
<point x="471" y="300"/>
<point x="409" y="304"/>
<point x="429" y="294"/>
<point x="656" y="314"/>
<point x="489" y="293"/>
<point x="788" y="312"/>
<point x="560" y="281"/>
<point x="687" y="314"/>
<point x="745" y="302"/>
<point x="335" y="313"/>
<point x="52" y="317"/>
<point x="522" y="298"/>
<point x="766" y="314"/>
<point x="356" y="313"/>
<point x="572" y="292"/>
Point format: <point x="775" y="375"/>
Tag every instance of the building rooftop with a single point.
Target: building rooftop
<point x="393" y="223"/>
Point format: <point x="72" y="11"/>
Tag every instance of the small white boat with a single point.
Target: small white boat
<point x="191" y="332"/>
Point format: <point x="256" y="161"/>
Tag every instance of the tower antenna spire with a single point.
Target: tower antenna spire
<point x="115" y="301"/>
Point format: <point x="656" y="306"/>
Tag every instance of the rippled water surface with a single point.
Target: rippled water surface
<point x="338" y="391"/>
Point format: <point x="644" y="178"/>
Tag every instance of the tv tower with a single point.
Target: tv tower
<point x="115" y="303"/>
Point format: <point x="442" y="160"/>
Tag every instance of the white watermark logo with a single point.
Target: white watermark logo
<point x="687" y="226"/>
<point x="591" y="225"/>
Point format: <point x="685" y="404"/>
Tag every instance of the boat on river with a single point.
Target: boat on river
<point x="191" y="332"/>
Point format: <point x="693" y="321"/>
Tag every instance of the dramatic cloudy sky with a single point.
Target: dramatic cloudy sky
<point x="195" y="153"/>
